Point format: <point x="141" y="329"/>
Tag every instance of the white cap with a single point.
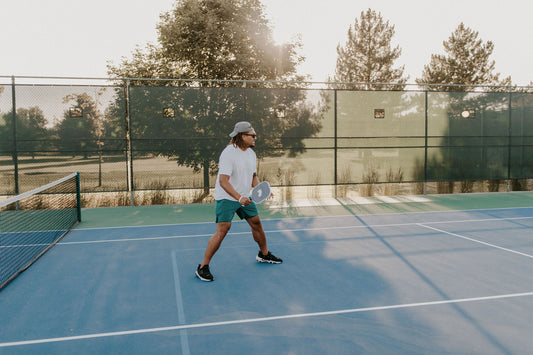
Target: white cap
<point x="241" y="127"/>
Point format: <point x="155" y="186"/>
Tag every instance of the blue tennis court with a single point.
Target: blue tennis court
<point x="448" y="281"/>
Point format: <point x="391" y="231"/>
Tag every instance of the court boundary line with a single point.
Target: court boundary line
<point x="476" y="240"/>
<point x="185" y="349"/>
<point x="423" y="224"/>
<point x="311" y="217"/>
<point x="264" y="319"/>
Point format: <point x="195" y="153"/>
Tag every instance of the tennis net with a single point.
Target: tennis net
<point x="31" y="223"/>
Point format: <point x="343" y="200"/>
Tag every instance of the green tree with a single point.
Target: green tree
<point x="6" y="134"/>
<point x="368" y="55"/>
<point x="81" y="130"/>
<point x="474" y="140"/>
<point x="31" y="130"/>
<point x="466" y="62"/>
<point x="214" y="40"/>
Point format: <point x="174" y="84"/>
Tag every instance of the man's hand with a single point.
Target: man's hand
<point x="245" y="201"/>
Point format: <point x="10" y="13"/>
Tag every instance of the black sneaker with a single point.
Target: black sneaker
<point x="204" y="274"/>
<point x="269" y="258"/>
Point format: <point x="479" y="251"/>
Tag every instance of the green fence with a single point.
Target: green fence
<point x="126" y="138"/>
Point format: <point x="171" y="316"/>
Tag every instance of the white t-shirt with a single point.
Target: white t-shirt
<point x="240" y="165"/>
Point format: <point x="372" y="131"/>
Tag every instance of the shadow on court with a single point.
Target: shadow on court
<point x="404" y="283"/>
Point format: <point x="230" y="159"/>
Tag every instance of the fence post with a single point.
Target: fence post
<point x="335" y="162"/>
<point x="14" y="129"/>
<point x="129" y="155"/>
<point x="426" y="141"/>
<point x="244" y="100"/>
<point x="509" y="142"/>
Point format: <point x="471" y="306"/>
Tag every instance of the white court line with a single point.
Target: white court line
<point x="229" y="234"/>
<point x="81" y="228"/>
<point x="476" y="241"/>
<point x="297" y="230"/>
<point x="185" y="350"/>
<point x="263" y="319"/>
<point x="138" y="239"/>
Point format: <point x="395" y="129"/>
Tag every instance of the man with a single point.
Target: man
<point x="236" y="175"/>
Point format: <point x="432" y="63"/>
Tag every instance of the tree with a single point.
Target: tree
<point x="6" y="135"/>
<point x="81" y="130"/>
<point x="471" y="116"/>
<point x="31" y="130"/>
<point x="368" y="55"/>
<point x="214" y="40"/>
<point x="466" y="62"/>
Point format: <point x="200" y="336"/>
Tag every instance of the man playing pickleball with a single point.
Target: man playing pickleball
<point x="237" y="174"/>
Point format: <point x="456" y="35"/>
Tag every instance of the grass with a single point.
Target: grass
<point x="370" y="178"/>
<point x="394" y="178"/>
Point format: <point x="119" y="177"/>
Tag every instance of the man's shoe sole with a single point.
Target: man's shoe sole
<point x="261" y="260"/>
<point x="203" y="279"/>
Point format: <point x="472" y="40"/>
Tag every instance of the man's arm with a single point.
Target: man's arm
<point x="255" y="180"/>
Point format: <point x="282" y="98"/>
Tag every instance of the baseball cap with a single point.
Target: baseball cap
<point x="241" y="127"/>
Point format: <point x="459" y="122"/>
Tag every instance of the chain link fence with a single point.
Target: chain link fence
<point x="138" y="142"/>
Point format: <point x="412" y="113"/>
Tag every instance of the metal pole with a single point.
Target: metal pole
<point x="14" y="129"/>
<point x="335" y="139"/>
<point x="78" y="196"/>
<point x="426" y="142"/>
<point x="509" y="142"/>
<point x="244" y="109"/>
<point x="129" y="155"/>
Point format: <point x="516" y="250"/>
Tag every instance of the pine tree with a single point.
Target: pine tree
<point x="466" y="62"/>
<point x="368" y="55"/>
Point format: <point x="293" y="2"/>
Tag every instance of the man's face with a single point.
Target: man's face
<point x="249" y="138"/>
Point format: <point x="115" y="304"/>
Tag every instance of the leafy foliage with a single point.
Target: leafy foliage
<point x="31" y="130"/>
<point x="81" y="133"/>
<point x="215" y="40"/>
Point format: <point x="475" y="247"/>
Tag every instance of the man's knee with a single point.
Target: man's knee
<point x="255" y="222"/>
<point x="223" y="228"/>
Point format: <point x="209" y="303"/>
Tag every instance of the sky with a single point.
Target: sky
<point x="78" y="38"/>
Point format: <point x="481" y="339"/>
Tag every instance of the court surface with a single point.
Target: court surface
<point x="406" y="275"/>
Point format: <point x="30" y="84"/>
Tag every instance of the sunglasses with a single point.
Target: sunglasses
<point x="250" y="135"/>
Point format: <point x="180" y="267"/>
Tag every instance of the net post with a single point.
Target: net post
<point x="78" y="195"/>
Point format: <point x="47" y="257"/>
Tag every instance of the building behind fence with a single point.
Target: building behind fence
<point x="135" y="143"/>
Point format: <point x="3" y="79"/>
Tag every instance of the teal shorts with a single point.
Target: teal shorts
<point x="226" y="209"/>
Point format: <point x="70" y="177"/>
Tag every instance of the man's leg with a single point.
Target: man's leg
<point x="214" y="242"/>
<point x="259" y="236"/>
<point x="258" y="233"/>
